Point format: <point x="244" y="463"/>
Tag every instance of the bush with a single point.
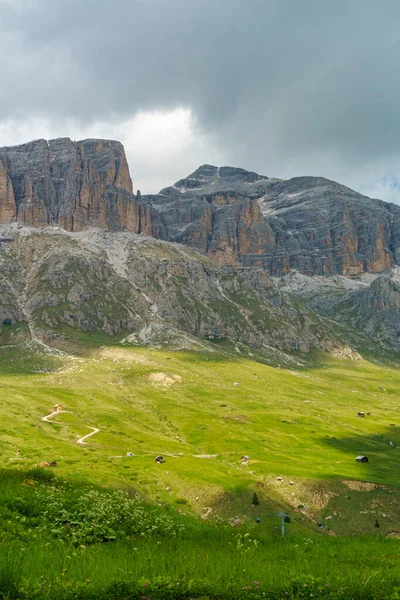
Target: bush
<point x="256" y="500"/>
<point x="89" y="516"/>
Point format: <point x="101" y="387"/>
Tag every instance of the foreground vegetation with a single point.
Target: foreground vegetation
<point x="62" y="540"/>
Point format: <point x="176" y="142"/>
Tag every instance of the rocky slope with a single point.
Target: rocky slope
<point x="57" y="285"/>
<point x="370" y="304"/>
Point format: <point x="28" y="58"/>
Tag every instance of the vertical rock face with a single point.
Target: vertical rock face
<point x="310" y="224"/>
<point x="325" y="228"/>
<point x="71" y="184"/>
<point x="215" y="210"/>
<point x="8" y="207"/>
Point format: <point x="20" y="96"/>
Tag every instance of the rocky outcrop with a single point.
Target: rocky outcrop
<point x="313" y="225"/>
<point x="71" y="184"/>
<point x="8" y="207"/>
<point x="215" y="210"/>
<point x="368" y="306"/>
<point x="324" y="228"/>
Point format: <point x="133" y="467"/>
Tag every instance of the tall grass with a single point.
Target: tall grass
<point x="157" y="553"/>
<point x="363" y="568"/>
<point x="10" y="572"/>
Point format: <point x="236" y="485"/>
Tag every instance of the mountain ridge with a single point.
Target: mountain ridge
<point x="235" y="216"/>
<point x="310" y="224"/>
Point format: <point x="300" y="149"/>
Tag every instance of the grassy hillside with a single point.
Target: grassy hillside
<point x="202" y="412"/>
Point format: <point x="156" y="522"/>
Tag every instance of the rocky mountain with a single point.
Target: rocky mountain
<point x="70" y="184"/>
<point x="262" y="265"/>
<point x="309" y="224"/>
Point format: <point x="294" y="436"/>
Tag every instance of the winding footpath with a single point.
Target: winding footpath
<point x="47" y="417"/>
<point x="82" y="439"/>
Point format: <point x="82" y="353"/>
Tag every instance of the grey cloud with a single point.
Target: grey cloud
<point x="287" y="87"/>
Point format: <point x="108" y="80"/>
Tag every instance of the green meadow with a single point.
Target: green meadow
<point x="65" y="540"/>
<point x="202" y="411"/>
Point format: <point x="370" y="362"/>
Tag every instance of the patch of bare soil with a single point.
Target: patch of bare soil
<point x="205" y="455"/>
<point x="393" y="534"/>
<point x="302" y="492"/>
<point x="364" y="486"/>
<point x="237" y="419"/>
<point x="164" y="380"/>
<point x="122" y="355"/>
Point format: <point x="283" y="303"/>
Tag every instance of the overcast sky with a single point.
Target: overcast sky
<point x="282" y="87"/>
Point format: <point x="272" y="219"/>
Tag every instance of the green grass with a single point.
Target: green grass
<point x="360" y="568"/>
<point x="301" y="425"/>
<point x="70" y="540"/>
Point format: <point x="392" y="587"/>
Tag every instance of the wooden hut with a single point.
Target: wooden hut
<point x="363" y="459"/>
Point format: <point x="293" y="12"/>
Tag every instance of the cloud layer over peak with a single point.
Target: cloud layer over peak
<point x="278" y="86"/>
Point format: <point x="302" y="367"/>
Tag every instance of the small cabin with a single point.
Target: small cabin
<point x="363" y="459"/>
<point x="245" y="459"/>
<point x="160" y="459"/>
<point x="361" y="413"/>
<point x="58" y="408"/>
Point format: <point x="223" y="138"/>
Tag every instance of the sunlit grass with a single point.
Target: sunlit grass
<point x="302" y="425"/>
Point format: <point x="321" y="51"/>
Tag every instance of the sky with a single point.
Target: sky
<point x="282" y="87"/>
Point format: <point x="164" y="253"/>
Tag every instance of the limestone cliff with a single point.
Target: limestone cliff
<point x="71" y="184"/>
<point x="313" y="225"/>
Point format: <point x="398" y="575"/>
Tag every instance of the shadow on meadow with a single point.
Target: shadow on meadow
<point x="22" y="360"/>
<point x="381" y="449"/>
